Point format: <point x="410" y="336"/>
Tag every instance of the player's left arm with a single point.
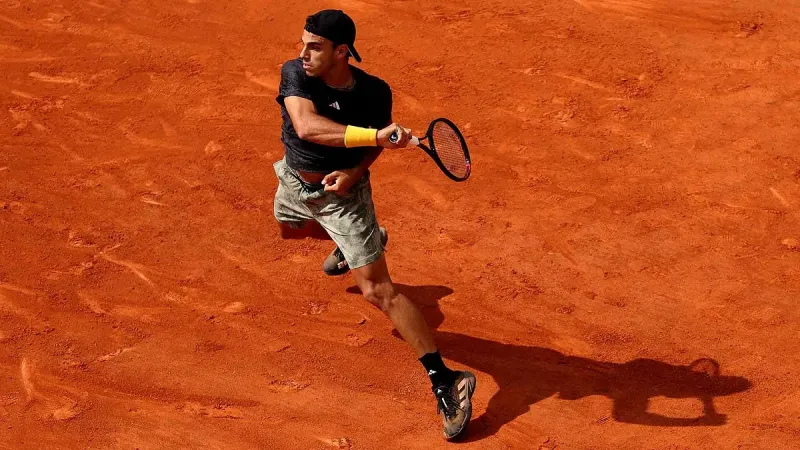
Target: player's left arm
<point x="373" y="154"/>
<point x="340" y="181"/>
<point x="371" y="157"/>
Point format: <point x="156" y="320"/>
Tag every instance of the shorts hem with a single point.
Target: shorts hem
<point x="366" y="260"/>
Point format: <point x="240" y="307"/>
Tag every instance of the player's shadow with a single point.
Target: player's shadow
<point x="526" y="375"/>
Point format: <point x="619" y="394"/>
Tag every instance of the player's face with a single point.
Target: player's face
<point x="318" y="54"/>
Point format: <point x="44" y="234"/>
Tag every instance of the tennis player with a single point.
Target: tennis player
<point x="336" y="121"/>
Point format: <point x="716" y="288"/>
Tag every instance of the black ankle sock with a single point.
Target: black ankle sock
<point x="437" y="371"/>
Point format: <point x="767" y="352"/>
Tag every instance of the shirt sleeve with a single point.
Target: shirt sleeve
<point x="294" y="82"/>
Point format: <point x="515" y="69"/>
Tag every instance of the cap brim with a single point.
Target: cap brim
<point x="354" y="53"/>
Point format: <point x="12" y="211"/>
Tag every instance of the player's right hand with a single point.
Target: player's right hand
<point x="403" y="136"/>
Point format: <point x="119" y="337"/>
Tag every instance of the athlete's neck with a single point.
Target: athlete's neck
<point x="339" y="77"/>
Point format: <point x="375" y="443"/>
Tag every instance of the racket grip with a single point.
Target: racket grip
<point x="393" y="139"/>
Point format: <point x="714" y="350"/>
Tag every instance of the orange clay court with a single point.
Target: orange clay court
<point x="621" y="271"/>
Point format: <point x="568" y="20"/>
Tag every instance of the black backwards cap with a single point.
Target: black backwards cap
<point x="336" y="26"/>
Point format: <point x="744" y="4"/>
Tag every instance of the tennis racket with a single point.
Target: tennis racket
<point x="446" y="146"/>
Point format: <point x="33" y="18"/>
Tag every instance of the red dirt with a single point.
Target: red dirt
<point x="635" y="183"/>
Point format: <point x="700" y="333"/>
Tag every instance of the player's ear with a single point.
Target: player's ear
<point x="341" y="51"/>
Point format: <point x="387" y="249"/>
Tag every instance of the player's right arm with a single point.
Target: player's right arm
<point x="313" y="127"/>
<point x="295" y="95"/>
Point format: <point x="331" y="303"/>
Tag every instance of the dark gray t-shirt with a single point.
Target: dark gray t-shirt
<point x="368" y="104"/>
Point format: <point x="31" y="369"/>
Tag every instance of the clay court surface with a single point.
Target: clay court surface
<point x="619" y="272"/>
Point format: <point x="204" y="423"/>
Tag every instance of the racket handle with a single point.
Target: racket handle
<point x="393" y="139"/>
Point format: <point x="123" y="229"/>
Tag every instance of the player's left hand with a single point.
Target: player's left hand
<point x="341" y="181"/>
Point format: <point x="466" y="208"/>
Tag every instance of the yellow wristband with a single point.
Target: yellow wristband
<point x="360" y="137"/>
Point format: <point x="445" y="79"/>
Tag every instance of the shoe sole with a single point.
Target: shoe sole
<point x="470" y="390"/>
<point x="336" y="273"/>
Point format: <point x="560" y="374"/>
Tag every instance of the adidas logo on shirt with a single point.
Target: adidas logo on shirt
<point x="335" y="105"/>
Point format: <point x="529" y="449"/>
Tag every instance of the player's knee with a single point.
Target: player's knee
<point x="380" y="295"/>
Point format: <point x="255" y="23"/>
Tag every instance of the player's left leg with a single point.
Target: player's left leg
<point x="350" y="220"/>
<point x="336" y="263"/>
<point x="377" y="288"/>
<point x="453" y="389"/>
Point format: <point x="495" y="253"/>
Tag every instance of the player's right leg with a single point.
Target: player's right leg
<point x="304" y="229"/>
<point x="294" y="218"/>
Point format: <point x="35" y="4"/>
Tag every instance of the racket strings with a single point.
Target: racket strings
<point x="449" y="148"/>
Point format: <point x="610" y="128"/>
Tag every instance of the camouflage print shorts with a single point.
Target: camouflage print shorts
<point x="349" y="220"/>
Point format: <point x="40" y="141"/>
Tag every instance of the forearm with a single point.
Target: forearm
<point x="313" y="127"/>
<point x="321" y="130"/>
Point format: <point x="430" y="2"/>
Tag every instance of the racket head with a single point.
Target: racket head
<point x="449" y="149"/>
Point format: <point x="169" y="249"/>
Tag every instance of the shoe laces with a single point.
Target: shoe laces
<point x="446" y="402"/>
